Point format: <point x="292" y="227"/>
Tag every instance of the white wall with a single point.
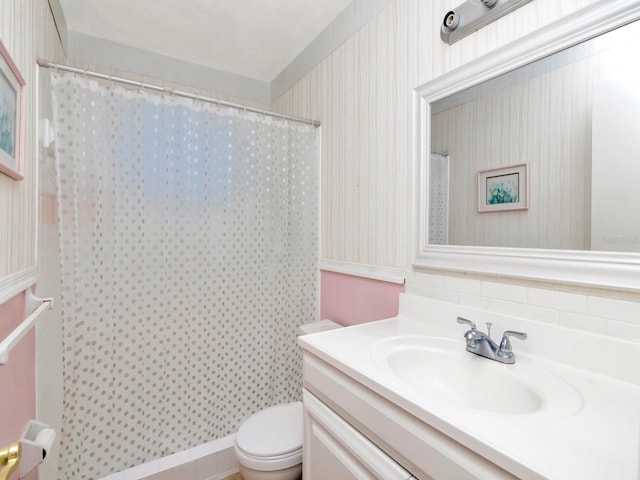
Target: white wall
<point x="18" y="19"/>
<point x="363" y="95"/>
<point x="28" y="31"/>
<point x="554" y="141"/>
<point x="616" y="169"/>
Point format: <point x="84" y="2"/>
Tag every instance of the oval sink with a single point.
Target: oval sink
<point x="444" y="370"/>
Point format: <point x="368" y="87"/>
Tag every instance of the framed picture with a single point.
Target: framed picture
<point x="502" y="189"/>
<point x="12" y="117"/>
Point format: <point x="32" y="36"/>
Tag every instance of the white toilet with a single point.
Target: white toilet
<point x="268" y="444"/>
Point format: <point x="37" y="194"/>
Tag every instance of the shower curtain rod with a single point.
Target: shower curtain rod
<point x="179" y="93"/>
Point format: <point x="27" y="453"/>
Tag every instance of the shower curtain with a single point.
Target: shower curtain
<point x="189" y="245"/>
<point x="438" y="199"/>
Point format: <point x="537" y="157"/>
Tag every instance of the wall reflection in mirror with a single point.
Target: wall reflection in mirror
<point x="574" y="119"/>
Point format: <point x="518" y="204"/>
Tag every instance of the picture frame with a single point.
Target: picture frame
<point x="12" y="117"/>
<point x="503" y="189"/>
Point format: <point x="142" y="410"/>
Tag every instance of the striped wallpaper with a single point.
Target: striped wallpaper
<point x="362" y="93"/>
<point x="19" y="20"/>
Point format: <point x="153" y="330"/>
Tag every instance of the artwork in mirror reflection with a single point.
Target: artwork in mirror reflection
<point x="573" y="119"/>
<point x="503" y="189"/>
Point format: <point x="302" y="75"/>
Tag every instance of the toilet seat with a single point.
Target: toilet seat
<point x="269" y="464"/>
<point x="272" y="438"/>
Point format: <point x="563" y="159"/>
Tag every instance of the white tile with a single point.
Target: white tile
<point x="474" y="301"/>
<point x="436" y="293"/>
<point x="504" y="291"/>
<point x="621" y="310"/>
<point x="463" y="285"/>
<point x="412" y="288"/>
<point x="428" y="279"/>
<point x="569" y="302"/>
<point x="409" y="276"/>
<point x="623" y="330"/>
<point x="538" y="314"/>
<point x="502" y="306"/>
<point x="582" y="322"/>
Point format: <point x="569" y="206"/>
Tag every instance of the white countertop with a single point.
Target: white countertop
<point x="599" y="439"/>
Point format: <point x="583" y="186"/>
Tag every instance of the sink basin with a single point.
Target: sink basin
<point x="442" y="370"/>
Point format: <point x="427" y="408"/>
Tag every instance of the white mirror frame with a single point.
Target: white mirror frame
<point x="587" y="268"/>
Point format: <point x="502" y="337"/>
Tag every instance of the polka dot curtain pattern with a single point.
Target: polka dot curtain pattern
<point x="189" y="256"/>
<point x="438" y="199"/>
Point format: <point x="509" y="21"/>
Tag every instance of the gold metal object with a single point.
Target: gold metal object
<point x="9" y="460"/>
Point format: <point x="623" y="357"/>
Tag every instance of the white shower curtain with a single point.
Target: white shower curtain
<point x="438" y="199"/>
<point x="189" y="244"/>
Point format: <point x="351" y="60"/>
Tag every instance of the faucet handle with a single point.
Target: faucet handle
<point x="505" y="344"/>
<point x="466" y="322"/>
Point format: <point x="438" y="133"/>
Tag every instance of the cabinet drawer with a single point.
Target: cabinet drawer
<point x="334" y="449"/>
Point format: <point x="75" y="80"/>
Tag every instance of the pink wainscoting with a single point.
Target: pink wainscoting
<point x="349" y="300"/>
<point x="17" y="377"/>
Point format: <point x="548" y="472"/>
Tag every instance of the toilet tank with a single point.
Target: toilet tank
<point x="315" y="327"/>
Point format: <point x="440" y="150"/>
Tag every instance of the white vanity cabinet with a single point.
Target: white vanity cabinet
<point x="353" y="432"/>
<point x="388" y="399"/>
<point x="333" y="449"/>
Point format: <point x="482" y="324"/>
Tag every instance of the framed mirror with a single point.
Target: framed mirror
<point x="527" y="160"/>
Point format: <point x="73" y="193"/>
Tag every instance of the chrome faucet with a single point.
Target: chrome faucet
<point x="481" y="343"/>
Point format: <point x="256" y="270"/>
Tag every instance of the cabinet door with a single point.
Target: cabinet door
<point x="333" y="449"/>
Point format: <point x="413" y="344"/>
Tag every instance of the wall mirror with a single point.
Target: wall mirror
<point x="528" y="159"/>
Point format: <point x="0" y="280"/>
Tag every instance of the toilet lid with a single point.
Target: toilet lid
<point x="273" y="431"/>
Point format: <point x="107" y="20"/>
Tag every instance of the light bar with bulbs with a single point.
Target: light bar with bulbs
<point x="472" y="15"/>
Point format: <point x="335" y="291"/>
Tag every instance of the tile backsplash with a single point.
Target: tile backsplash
<point x="594" y="312"/>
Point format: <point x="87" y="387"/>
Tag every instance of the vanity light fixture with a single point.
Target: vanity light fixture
<point x="472" y="15"/>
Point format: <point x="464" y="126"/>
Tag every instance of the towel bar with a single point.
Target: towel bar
<point x="34" y="305"/>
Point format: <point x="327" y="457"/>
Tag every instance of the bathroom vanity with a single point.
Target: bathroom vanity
<point x="402" y="398"/>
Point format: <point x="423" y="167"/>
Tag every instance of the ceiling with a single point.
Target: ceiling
<point x="220" y="43"/>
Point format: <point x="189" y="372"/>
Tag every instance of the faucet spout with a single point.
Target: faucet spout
<point x="481" y="344"/>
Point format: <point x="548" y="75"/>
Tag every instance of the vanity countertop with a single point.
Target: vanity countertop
<point x="595" y="437"/>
